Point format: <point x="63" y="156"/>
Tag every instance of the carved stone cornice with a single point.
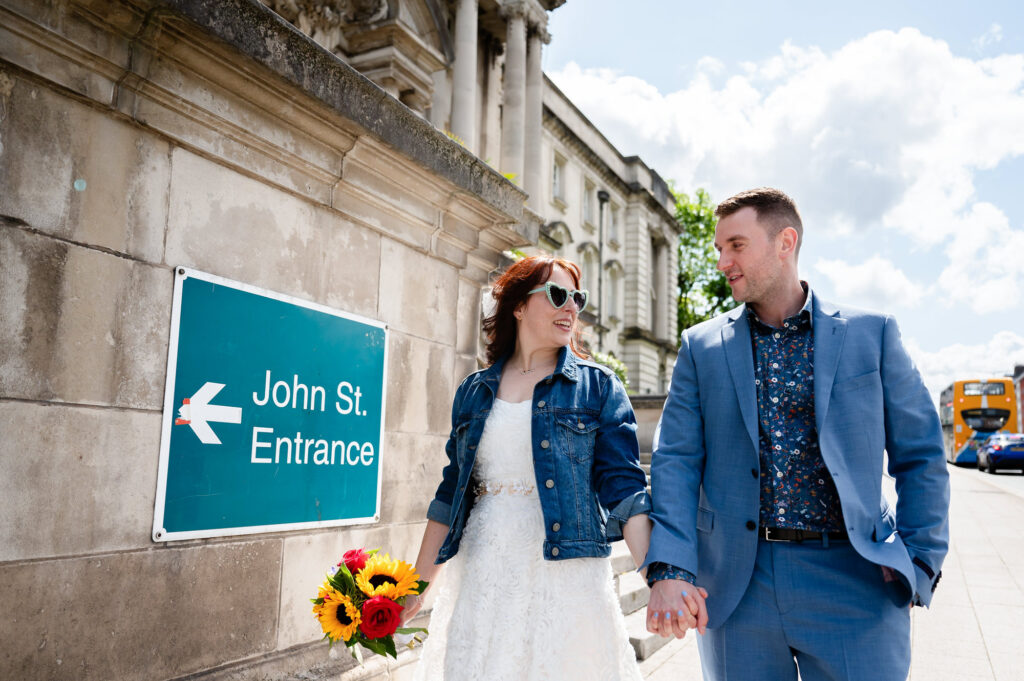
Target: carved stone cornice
<point x="515" y="9"/>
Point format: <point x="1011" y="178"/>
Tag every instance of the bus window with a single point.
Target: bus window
<point x="973" y="389"/>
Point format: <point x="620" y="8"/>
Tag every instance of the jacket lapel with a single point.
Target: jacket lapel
<point x="740" y="356"/>
<point x="829" y="334"/>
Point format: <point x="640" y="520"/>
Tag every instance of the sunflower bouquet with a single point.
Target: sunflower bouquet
<point x="362" y="600"/>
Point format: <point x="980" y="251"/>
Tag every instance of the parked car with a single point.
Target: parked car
<point x="1002" y="450"/>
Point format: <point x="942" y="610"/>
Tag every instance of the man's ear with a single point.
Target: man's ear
<point x="787" y="241"/>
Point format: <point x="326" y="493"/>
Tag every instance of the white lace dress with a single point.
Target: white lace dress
<point x="503" y="612"/>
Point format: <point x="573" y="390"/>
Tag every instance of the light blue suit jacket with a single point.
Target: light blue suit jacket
<point x="869" y="399"/>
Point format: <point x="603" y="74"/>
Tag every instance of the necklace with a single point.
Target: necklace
<point x="523" y="372"/>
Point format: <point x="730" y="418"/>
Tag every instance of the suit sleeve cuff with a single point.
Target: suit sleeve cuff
<point x="635" y="504"/>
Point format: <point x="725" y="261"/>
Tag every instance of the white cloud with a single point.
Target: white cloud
<point x="885" y="133"/>
<point x="993" y="35"/>
<point x="875" y="284"/>
<point x="984" y="271"/>
<point x="995" y="358"/>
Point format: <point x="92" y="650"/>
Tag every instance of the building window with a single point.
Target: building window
<point x="590" y="266"/>
<point x="614" y="215"/>
<point x="589" y="199"/>
<point x="614" y="287"/>
<point x="558" y="179"/>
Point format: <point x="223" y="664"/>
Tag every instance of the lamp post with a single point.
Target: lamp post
<point x="602" y="199"/>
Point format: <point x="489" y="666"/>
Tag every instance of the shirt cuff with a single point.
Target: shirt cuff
<point x="635" y="504"/>
<point x="440" y="511"/>
<point x="658" y="571"/>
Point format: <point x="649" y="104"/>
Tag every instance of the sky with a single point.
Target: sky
<point x="897" y="127"/>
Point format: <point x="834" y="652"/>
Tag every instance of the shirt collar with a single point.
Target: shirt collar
<point x="806" y="312"/>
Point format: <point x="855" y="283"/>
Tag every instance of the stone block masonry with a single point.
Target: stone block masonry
<point x="137" y="136"/>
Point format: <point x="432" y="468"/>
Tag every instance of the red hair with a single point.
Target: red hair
<point x="510" y="291"/>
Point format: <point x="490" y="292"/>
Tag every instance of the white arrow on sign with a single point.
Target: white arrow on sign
<point x="196" y="411"/>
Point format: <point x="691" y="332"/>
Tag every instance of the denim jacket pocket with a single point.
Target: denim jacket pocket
<point x="577" y="434"/>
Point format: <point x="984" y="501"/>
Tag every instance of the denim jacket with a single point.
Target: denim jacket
<point x="585" y="457"/>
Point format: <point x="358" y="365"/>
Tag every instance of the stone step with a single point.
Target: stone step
<point x="622" y="559"/>
<point x="644" y="642"/>
<point x="633" y="592"/>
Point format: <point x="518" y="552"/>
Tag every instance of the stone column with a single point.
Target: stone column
<point x="533" y="162"/>
<point x="464" y="74"/>
<point x="513" y="112"/>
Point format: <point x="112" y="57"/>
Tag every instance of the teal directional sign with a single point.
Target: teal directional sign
<point x="273" y="413"/>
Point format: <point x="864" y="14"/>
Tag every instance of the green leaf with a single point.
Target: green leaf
<point x="375" y="645"/>
<point x="389" y="646"/>
<point x="356" y="652"/>
<point x="421" y="586"/>
<point x="410" y="630"/>
<point x="343" y="581"/>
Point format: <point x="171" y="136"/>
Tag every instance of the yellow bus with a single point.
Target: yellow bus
<point x="972" y="410"/>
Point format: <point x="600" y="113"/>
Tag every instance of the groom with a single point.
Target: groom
<point x="771" y="534"/>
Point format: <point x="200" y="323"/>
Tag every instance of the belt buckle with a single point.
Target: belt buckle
<point x="768" y="535"/>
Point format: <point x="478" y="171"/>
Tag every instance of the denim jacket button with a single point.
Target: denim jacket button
<point x="580" y="425"/>
<point x="556" y="527"/>
<point x="554" y="551"/>
<point x="540" y="405"/>
<point x="544" y="444"/>
<point x="549" y="484"/>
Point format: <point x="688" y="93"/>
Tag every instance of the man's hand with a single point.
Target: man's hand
<point x="675" y="606"/>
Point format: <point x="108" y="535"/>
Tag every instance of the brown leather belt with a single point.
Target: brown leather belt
<point x="790" y="535"/>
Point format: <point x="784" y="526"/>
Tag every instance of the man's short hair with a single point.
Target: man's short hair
<point x="775" y="211"/>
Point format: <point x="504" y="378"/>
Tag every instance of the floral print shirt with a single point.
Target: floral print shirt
<point x="797" y="491"/>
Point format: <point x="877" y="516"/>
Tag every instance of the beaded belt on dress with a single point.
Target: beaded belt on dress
<point x="504" y="487"/>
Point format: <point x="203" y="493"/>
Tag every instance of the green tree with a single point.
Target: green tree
<point x="703" y="291"/>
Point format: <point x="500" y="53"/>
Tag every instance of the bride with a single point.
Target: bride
<point x="542" y="474"/>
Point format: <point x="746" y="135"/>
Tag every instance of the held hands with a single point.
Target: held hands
<point x="676" y="606"/>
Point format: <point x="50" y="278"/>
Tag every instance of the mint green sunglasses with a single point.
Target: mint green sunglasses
<point x="558" y="296"/>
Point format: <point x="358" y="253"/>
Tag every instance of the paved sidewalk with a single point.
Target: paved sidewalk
<point x="974" y="630"/>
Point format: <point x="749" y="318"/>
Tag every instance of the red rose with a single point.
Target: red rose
<point x="355" y="560"/>
<point x="380" y="617"/>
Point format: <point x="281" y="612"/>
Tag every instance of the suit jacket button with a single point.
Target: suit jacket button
<point x="751" y="525"/>
<point x="753" y="472"/>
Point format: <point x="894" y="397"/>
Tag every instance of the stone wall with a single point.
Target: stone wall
<point x="136" y="136"/>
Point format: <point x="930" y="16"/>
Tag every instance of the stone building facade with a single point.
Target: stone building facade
<point x="297" y="150"/>
<point x="137" y="136"/>
<point x="614" y="216"/>
<point x="473" y="69"/>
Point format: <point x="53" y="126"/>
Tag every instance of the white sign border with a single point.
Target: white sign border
<point x="160" y="534"/>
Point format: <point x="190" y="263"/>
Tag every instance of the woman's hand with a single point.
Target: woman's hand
<point x="413" y="603"/>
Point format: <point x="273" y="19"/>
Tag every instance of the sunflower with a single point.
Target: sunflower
<point x="338" y="616"/>
<point x="385" y="577"/>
